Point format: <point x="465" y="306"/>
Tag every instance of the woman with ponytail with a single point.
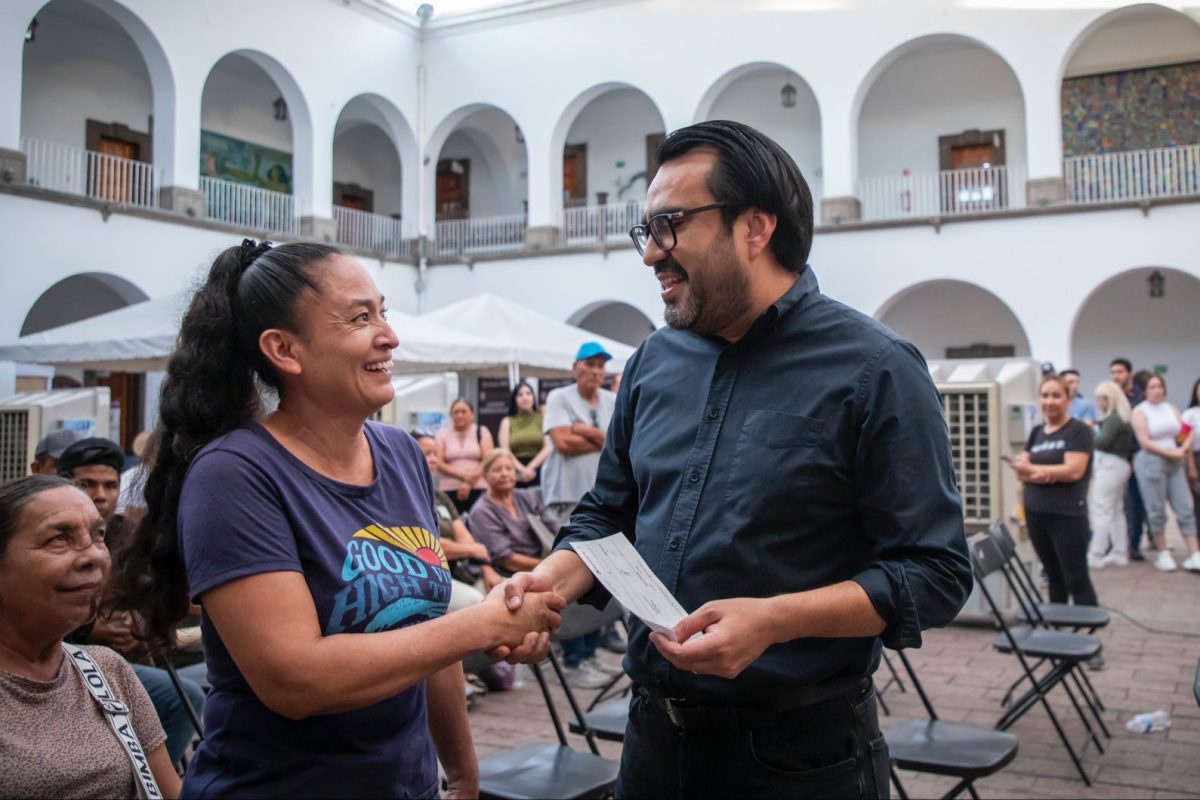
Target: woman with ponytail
<point x="308" y="537"/>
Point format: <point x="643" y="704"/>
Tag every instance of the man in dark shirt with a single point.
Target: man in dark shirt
<point x="1121" y="372"/>
<point x="782" y="464"/>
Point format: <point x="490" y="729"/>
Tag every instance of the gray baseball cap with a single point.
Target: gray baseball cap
<point x="53" y="444"/>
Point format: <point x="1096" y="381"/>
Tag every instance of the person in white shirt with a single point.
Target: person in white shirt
<point x="1160" y="473"/>
<point x="1191" y="417"/>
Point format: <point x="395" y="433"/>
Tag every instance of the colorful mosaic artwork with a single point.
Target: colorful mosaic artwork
<point x="1135" y="109"/>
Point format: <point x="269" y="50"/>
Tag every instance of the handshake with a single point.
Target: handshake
<point x="522" y="613"/>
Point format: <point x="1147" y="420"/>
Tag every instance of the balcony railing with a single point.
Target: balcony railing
<point x="480" y="235"/>
<point x="377" y="233"/>
<point x="249" y="206"/>
<point x="587" y="226"/>
<point x="73" y="170"/>
<point x="1133" y="175"/>
<point x="940" y="194"/>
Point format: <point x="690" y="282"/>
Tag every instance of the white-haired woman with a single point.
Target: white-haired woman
<point x="1110" y="476"/>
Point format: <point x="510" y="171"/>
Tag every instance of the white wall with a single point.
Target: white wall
<point x="1141" y="39"/>
<point x="499" y="165"/>
<point x="938" y="90"/>
<point x="366" y="156"/>
<point x="237" y="102"/>
<point x="76" y="70"/>
<point x="614" y="127"/>
<point x="1121" y="319"/>
<point x="755" y="100"/>
<point x="945" y="314"/>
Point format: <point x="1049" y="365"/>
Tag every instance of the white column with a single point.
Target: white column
<point x="545" y="185"/>
<point x="13" y="23"/>
<point x="1043" y="131"/>
<point x="312" y="180"/>
<point x="839" y="158"/>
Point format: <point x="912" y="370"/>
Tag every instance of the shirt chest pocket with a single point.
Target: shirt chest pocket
<point x="776" y="454"/>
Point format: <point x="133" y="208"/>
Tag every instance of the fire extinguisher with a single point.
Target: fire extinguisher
<point x="906" y="195"/>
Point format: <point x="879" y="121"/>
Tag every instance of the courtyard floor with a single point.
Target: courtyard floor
<point x="1151" y="647"/>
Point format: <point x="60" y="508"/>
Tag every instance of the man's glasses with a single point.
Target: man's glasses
<point x="661" y="228"/>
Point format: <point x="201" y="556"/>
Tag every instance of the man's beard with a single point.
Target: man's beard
<point x="711" y="305"/>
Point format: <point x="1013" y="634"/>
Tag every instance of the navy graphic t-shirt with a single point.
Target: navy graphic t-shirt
<point x="372" y="561"/>
<point x="1047" y="449"/>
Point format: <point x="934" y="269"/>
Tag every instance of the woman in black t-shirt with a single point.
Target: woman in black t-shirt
<point x="1055" y="469"/>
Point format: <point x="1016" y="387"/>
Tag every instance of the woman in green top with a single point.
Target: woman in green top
<point x="521" y="432"/>
<point x="1110" y="475"/>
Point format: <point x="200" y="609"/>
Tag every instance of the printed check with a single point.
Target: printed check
<point x="628" y="578"/>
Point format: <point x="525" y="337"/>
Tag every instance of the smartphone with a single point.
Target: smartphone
<point x="1007" y="459"/>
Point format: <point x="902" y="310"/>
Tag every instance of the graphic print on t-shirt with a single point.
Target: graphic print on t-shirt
<point x="395" y="576"/>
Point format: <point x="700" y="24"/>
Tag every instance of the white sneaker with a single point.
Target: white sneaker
<point x="611" y="670"/>
<point x="1114" y="560"/>
<point x="1192" y="563"/>
<point x="1165" y="562"/>
<point x="1096" y="562"/>
<point x="584" y="677"/>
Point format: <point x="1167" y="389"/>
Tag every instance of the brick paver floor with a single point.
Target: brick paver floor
<point x="1151" y="647"/>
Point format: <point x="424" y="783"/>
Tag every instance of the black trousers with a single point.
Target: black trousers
<point x="829" y="749"/>
<point x="1061" y="542"/>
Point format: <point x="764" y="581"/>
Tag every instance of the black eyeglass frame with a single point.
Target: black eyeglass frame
<point x="641" y="234"/>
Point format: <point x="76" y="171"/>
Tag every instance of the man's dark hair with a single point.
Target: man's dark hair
<point x="1124" y="362"/>
<point x="752" y="171"/>
<point x="1071" y="371"/>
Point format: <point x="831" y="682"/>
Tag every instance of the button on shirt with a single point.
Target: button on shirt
<point x="812" y="451"/>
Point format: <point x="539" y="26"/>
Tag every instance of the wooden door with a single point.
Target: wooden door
<point x="575" y="175"/>
<point x="453" y="189"/>
<point x="113" y="178"/>
<point x="126" y="390"/>
<point x="972" y="156"/>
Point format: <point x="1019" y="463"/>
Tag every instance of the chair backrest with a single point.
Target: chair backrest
<point x="912" y="676"/>
<point x="985" y="555"/>
<point x="579" y="619"/>
<point x="999" y="531"/>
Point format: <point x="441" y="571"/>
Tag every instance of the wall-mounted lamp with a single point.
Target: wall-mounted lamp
<point x="1157" y="284"/>
<point x="787" y="95"/>
<point x="520" y="136"/>
<point x="280" y="106"/>
<point x="31" y="31"/>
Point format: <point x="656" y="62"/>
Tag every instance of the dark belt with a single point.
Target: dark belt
<point x="690" y="716"/>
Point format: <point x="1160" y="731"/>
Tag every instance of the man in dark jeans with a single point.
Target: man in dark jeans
<point x="1121" y="372"/>
<point x="782" y="464"/>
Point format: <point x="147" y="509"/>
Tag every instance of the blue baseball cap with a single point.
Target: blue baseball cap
<point x="590" y="349"/>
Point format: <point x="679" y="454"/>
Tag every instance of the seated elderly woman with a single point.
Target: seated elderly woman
<point x="504" y="518"/>
<point x="57" y="739"/>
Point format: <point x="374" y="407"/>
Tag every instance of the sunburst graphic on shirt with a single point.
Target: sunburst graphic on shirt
<point x="418" y="541"/>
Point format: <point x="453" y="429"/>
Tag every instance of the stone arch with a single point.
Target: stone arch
<point x="78" y="297"/>
<point x="487" y="145"/>
<point x="1119" y="317"/>
<point x="1105" y="18"/>
<point x="615" y="320"/>
<point x="158" y="68"/>
<point x="566" y="120"/>
<point x="369" y="109"/>
<point x="939" y="314"/>
<point x="299" y="114"/>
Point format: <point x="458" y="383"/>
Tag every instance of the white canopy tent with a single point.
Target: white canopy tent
<point x="537" y="343"/>
<point x="140" y="337"/>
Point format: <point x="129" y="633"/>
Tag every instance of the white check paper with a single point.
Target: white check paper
<point x="629" y="579"/>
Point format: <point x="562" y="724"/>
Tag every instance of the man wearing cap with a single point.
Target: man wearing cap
<point x="50" y="449"/>
<point x="94" y="465"/>
<point x="575" y="418"/>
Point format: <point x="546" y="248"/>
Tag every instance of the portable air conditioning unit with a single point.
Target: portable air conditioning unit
<point x="991" y="407"/>
<point x="26" y="417"/>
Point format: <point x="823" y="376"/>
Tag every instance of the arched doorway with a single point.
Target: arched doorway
<point x="614" y="320"/>
<point x="941" y="130"/>
<point x="1123" y="317"/>
<point x="955" y="319"/>
<point x="78" y="297"/>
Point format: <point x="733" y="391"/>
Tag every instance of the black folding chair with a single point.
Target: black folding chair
<point x="605" y="717"/>
<point x="1064" y="651"/>
<point x="540" y="770"/>
<point x="1033" y="610"/>
<point x="894" y="680"/>
<point x="966" y="752"/>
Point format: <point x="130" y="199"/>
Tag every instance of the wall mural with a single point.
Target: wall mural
<point x="1135" y="109"/>
<point x="245" y="162"/>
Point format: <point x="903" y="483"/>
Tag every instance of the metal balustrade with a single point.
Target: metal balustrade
<point x="587" y="226"/>
<point x="1133" y="175"/>
<point x="940" y="194"/>
<point x="480" y="235"/>
<point x="377" y="233"/>
<point x="249" y="206"/>
<point x="74" y="170"/>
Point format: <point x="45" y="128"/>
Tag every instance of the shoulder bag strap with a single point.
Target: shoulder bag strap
<point x="118" y="718"/>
